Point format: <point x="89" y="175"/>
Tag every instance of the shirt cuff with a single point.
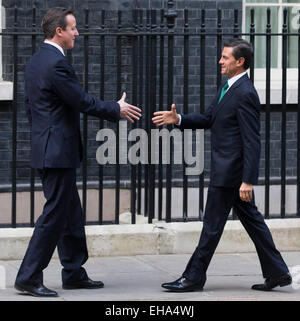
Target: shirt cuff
<point x="179" y="122"/>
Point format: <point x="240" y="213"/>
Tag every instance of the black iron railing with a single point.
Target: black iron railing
<point x="154" y="41"/>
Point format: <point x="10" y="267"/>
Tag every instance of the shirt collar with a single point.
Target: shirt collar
<point x="55" y="45"/>
<point x="232" y="80"/>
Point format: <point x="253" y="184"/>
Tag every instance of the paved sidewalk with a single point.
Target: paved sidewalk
<point x="135" y="278"/>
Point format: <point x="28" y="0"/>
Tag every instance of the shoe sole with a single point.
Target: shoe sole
<point x="33" y="294"/>
<point x="187" y="290"/>
<point x="283" y="283"/>
<point x="73" y="287"/>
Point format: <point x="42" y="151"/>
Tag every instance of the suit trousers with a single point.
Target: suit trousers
<point x="61" y="224"/>
<point x="220" y="201"/>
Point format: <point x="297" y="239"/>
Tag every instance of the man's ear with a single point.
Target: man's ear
<point x="241" y="61"/>
<point x="58" y="31"/>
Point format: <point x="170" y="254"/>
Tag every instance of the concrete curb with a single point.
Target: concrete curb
<point x="157" y="238"/>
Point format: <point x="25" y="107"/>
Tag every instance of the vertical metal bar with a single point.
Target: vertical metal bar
<point x="252" y="41"/>
<point x="161" y="104"/>
<point x="283" y="120"/>
<point x="85" y="117"/>
<point x="202" y="103"/>
<point x="147" y="86"/>
<point x="185" y="106"/>
<point x="14" y="122"/>
<point x="153" y="64"/>
<point x="32" y="170"/>
<point x="118" y="93"/>
<point x="219" y="47"/>
<point x="134" y="101"/>
<point x="170" y="15"/>
<point x="236" y="24"/>
<point x="101" y="122"/>
<point x="140" y="96"/>
<point x="298" y="127"/>
<point x="236" y="35"/>
<point x="267" y="115"/>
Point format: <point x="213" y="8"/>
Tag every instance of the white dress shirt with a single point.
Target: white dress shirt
<point x="55" y="45"/>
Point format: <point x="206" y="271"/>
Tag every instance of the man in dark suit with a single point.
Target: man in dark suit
<point x="54" y="99"/>
<point x="233" y="118"/>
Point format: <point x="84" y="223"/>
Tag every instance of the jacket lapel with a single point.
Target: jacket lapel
<point x="227" y="96"/>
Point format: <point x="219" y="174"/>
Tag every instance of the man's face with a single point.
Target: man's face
<point x="68" y="35"/>
<point x="229" y="65"/>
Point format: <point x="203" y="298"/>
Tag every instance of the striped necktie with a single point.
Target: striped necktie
<point x="223" y="92"/>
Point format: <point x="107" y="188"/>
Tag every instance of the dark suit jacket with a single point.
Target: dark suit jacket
<point x="53" y="101"/>
<point x="235" y="134"/>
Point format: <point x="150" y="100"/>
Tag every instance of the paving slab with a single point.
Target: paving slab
<point x="139" y="278"/>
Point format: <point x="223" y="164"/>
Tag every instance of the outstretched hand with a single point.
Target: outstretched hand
<point x="128" y="111"/>
<point x="166" y="117"/>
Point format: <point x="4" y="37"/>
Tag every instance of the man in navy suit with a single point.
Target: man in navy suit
<point x="54" y="100"/>
<point x="233" y="118"/>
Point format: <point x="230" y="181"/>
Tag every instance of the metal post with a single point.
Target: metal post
<point x="85" y="117"/>
<point x="161" y="103"/>
<point x="252" y="41"/>
<point x="140" y="100"/>
<point x="118" y="92"/>
<point x="134" y="101"/>
<point x="268" y="107"/>
<point x="101" y="121"/>
<point x="283" y="120"/>
<point x="14" y="123"/>
<point x="171" y="14"/>
<point x="185" y="107"/>
<point x="32" y="170"/>
<point x="152" y="92"/>
<point x="202" y="104"/>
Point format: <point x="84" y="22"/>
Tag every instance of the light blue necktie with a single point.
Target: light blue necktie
<point x="223" y="92"/>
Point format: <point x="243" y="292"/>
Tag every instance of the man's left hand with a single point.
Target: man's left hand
<point x="246" y="191"/>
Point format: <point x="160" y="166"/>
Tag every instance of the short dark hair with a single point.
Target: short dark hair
<point x="241" y="48"/>
<point x="55" y="17"/>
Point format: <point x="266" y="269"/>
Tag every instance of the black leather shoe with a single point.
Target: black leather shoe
<point x="271" y="283"/>
<point x="182" y="285"/>
<point x="36" y="290"/>
<point x="83" y="284"/>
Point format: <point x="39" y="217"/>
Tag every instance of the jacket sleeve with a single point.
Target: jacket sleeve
<point x="197" y="121"/>
<point x="67" y="88"/>
<point x="248" y="115"/>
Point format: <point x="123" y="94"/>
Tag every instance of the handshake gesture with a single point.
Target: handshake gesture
<point x="132" y="113"/>
<point x="166" y="117"/>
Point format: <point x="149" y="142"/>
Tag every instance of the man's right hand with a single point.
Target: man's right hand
<point x="166" y="117"/>
<point x="129" y="111"/>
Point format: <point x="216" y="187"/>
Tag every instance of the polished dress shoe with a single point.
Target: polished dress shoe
<point x="182" y="285"/>
<point x="83" y="284"/>
<point x="36" y="290"/>
<point x="271" y="283"/>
